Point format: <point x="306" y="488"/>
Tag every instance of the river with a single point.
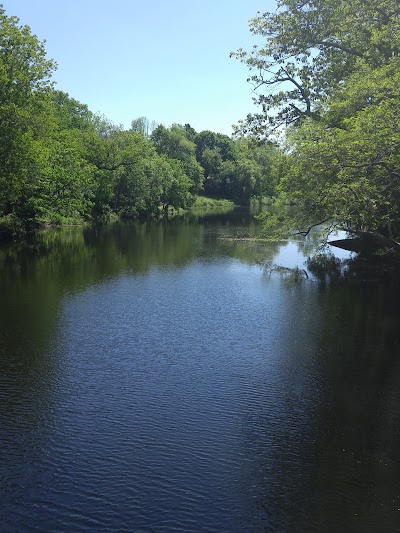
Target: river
<point x="159" y="377"/>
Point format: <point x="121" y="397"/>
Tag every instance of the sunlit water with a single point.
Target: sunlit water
<point x="159" y="378"/>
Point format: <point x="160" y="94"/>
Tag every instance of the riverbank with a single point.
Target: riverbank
<point x="14" y="228"/>
<point x="204" y="202"/>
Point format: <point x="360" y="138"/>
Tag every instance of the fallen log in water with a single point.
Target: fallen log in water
<point x="366" y="243"/>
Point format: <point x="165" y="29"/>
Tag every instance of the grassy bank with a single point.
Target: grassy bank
<point x="203" y="202"/>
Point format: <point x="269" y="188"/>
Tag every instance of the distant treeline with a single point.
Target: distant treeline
<point x="60" y="163"/>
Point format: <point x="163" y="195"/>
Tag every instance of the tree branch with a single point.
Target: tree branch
<point x="330" y="44"/>
<point x="304" y="233"/>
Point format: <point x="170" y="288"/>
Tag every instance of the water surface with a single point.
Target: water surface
<point x="157" y="378"/>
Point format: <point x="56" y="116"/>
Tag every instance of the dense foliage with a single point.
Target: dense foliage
<point x="328" y="74"/>
<point x="60" y="163"/>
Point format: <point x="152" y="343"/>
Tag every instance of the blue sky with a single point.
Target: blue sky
<point x="166" y="60"/>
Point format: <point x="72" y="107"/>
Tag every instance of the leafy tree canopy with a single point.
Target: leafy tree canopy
<point x="328" y="71"/>
<point x="24" y="67"/>
<point x="175" y="143"/>
<point x="308" y="48"/>
<point x="60" y="163"/>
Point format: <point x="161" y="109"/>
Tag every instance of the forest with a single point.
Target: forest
<point x="62" y="164"/>
<point x="325" y="136"/>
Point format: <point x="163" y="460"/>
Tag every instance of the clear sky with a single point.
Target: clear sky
<point x="166" y="60"/>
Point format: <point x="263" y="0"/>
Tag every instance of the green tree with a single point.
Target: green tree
<point x="328" y="72"/>
<point x="174" y="144"/>
<point x="118" y="157"/>
<point x="24" y="87"/>
<point x="69" y="113"/>
<point x="24" y="68"/>
<point x="169" y="184"/>
<point x="236" y="169"/>
<point x="63" y="187"/>
<point x="263" y="161"/>
<point x="346" y="167"/>
<point x="208" y="140"/>
<point x="308" y="48"/>
<point x="212" y="151"/>
<point x="131" y="178"/>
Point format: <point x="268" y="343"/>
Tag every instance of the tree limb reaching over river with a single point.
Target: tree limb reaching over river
<point x="328" y="73"/>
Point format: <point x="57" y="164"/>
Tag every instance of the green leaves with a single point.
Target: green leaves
<point x="60" y="163"/>
<point x="328" y="73"/>
<point x="346" y="166"/>
<point x="176" y="145"/>
<point x="24" y="68"/>
<point x="309" y="48"/>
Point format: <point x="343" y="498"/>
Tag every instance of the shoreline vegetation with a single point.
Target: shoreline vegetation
<point x="203" y="202"/>
<point x="61" y="164"/>
<point x="12" y="228"/>
<point x="327" y="142"/>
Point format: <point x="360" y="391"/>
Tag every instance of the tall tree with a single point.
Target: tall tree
<point x="308" y="48"/>
<point x="69" y="113"/>
<point x="346" y="167"/>
<point x="328" y="73"/>
<point x="24" y="68"/>
<point x="24" y="87"/>
<point x="174" y="143"/>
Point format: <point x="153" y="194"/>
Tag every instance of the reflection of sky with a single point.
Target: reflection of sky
<point x="295" y="252"/>
<point x="289" y="256"/>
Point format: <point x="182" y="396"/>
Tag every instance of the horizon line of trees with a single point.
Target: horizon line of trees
<point x="61" y="163"/>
